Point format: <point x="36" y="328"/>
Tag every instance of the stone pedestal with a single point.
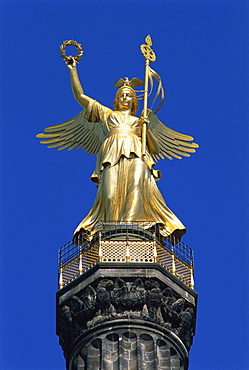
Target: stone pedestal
<point x="126" y="316"/>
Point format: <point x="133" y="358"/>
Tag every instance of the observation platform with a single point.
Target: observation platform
<point x="126" y="242"/>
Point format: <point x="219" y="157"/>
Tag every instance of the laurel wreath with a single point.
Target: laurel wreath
<point x="70" y="57"/>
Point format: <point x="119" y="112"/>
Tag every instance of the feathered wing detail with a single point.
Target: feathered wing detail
<point x="76" y="133"/>
<point x="168" y="142"/>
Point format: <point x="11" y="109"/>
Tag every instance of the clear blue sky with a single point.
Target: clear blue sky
<point x="202" y="57"/>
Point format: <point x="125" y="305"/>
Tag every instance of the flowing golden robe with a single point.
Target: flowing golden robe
<point x="127" y="189"/>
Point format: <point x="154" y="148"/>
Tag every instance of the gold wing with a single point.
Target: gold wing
<point x="168" y="142"/>
<point x="76" y="133"/>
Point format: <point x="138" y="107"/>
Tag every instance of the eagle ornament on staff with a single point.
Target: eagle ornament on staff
<point x="127" y="149"/>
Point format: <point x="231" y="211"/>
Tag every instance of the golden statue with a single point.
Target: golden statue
<point x="127" y="149"/>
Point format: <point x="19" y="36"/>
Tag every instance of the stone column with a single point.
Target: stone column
<point x="126" y="316"/>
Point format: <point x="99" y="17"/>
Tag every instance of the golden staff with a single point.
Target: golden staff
<point x="150" y="56"/>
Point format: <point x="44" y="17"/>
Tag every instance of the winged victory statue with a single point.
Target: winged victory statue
<point x="127" y="148"/>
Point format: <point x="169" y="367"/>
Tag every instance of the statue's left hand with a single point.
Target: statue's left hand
<point x="143" y="120"/>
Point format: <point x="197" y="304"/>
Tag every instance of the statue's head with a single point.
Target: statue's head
<point x="126" y="99"/>
<point x="127" y="95"/>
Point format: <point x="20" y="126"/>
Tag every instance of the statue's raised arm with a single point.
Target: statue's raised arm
<point x="84" y="131"/>
<point x="77" y="89"/>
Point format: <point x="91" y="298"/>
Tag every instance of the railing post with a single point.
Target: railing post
<point x="154" y="248"/>
<point x="61" y="277"/>
<point x="192" y="283"/>
<point x="80" y="261"/>
<point x="173" y="270"/>
<point x="100" y="248"/>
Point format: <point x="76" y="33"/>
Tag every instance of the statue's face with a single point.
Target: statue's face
<point x="125" y="99"/>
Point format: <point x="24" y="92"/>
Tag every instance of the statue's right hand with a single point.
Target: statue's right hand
<point x="71" y="63"/>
